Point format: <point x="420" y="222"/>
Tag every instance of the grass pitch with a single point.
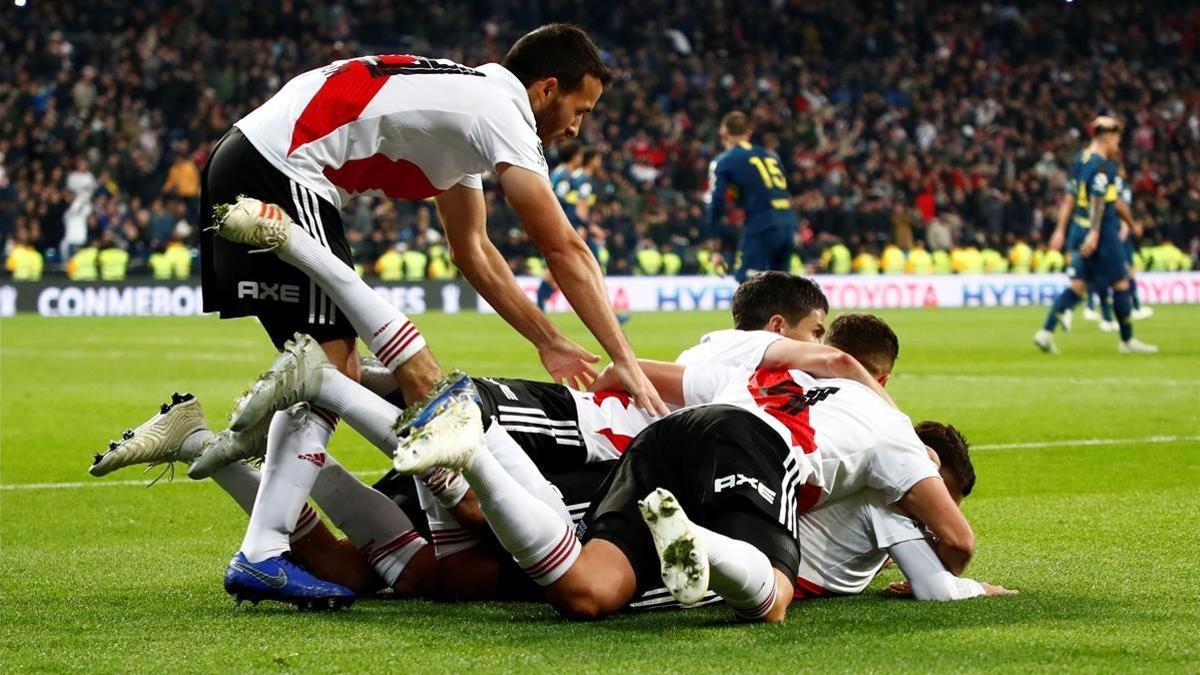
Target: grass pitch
<point x="1087" y="502"/>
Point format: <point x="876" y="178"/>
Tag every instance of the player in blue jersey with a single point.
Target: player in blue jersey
<point x="1133" y="232"/>
<point x="1093" y="242"/>
<point x="574" y="184"/>
<point x="754" y="175"/>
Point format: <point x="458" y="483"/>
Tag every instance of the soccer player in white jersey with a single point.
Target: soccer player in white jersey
<point x="403" y="127"/>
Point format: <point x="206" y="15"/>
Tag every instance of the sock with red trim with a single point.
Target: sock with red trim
<point x="532" y="532"/>
<point x="385" y="329"/>
<point x="517" y="463"/>
<point x="295" y="454"/>
<point x="374" y="524"/>
<point x="739" y="573"/>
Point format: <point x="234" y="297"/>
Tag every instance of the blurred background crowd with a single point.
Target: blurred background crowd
<point x="916" y="136"/>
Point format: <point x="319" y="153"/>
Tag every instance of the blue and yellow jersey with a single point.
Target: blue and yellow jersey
<point x="1092" y="178"/>
<point x="584" y="191"/>
<point x="755" y="177"/>
<point x="560" y="182"/>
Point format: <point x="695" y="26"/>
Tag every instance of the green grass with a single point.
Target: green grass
<point x="1101" y="539"/>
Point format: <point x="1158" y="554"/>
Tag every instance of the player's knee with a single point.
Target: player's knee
<point x="585" y="602"/>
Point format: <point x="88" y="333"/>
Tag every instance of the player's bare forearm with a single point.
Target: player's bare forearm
<point x="464" y="217"/>
<point x="666" y="377"/>
<point x="820" y="361"/>
<point x="930" y="503"/>
<point x="490" y="275"/>
<point x="579" y="279"/>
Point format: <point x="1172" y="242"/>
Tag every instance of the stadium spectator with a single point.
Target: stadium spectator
<point x="894" y="122"/>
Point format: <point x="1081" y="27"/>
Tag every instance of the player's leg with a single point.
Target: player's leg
<point x="1063" y="305"/>
<point x="1123" y="308"/>
<point x="753" y="254"/>
<point x="1104" y="297"/>
<point x="297" y="241"/>
<point x="1089" y="310"/>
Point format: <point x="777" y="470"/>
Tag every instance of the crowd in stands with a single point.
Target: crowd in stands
<point x="916" y="136"/>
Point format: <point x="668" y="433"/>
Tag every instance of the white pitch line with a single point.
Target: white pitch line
<point x="130" y="483"/>
<point x="1083" y="442"/>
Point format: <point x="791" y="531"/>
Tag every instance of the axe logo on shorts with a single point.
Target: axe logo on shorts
<point x="734" y="480"/>
<point x="261" y="290"/>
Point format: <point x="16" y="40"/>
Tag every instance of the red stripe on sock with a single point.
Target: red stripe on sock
<point x="557" y="555"/>
<point x="385" y="353"/>
<point x="394" y="545"/>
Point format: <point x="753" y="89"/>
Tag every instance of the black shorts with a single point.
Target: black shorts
<point x="729" y="470"/>
<point x="541" y="417"/>
<point x="235" y="282"/>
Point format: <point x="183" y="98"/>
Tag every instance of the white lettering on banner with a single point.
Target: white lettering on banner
<point x="8" y="300"/>
<point x="451" y="294"/>
<point x="117" y="301"/>
<point x="870" y="292"/>
<point x="407" y="299"/>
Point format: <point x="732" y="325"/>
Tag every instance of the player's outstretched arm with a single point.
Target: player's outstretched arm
<point x="820" y="361"/>
<point x="928" y="578"/>
<point x="464" y="215"/>
<point x="577" y="274"/>
<point x="666" y="377"/>
<point x="930" y="503"/>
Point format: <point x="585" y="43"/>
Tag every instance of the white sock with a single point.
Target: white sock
<point x="375" y="524"/>
<point x="739" y="573"/>
<point x="517" y="463"/>
<point x="385" y="329"/>
<point x="194" y="444"/>
<point x="540" y="542"/>
<point x="449" y="536"/>
<point x="295" y="454"/>
<point x="371" y="416"/>
<point x="240" y="481"/>
<point x="364" y="411"/>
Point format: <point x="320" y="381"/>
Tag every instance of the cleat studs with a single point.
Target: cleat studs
<point x="127" y="435"/>
<point x="112" y="445"/>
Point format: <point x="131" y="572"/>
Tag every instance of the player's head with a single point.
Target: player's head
<point x="591" y="159"/>
<point x="953" y="454"/>
<point x="782" y="303"/>
<point x="869" y="340"/>
<point x="1106" y="134"/>
<point x="562" y="71"/>
<point x="569" y="152"/>
<point x="735" y="128"/>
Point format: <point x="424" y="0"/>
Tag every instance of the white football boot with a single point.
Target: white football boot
<point x="253" y="222"/>
<point x="680" y="548"/>
<point x="1108" y="326"/>
<point x="157" y="440"/>
<point x="294" y="377"/>
<point x="1044" y="340"/>
<point x="228" y="447"/>
<point x="443" y="431"/>
<point x="1136" y="346"/>
<point x="1090" y="314"/>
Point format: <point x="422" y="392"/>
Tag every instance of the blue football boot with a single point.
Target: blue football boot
<point x="443" y="430"/>
<point x="281" y="578"/>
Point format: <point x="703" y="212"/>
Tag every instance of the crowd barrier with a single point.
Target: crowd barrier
<point x="154" y="298"/>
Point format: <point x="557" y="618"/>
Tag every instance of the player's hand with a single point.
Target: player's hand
<point x="568" y="363"/>
<point x="607" y="381"/>
<point x="990" y="590"/>
<point x="1090" y="243"/>
<point x="1056" y="241"/>
<point x="634" y="381"/>
<point x="901" y="589"/>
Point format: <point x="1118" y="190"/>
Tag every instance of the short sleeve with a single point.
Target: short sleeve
<point x="900" y="462"/>
<point x="502" y="136"/>
<point x="472" y="180"/>
<point x="702" y="383"/>
<point x="731" y="347"/>
<point x="1098" y="185"/>
<point x="891" y="528"/>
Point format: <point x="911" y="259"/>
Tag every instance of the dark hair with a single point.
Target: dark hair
<point x="769" y="293"/>
<point x="568" y="149"/>
<point x="867" y="338"/>
<point x="590" y="154"/>
<point x="736" y="124"/>
<point x="557" y="50"/>
<point x="952" y="449"/>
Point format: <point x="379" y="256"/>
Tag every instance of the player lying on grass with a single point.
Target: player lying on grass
<point x="753" y="468"/>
